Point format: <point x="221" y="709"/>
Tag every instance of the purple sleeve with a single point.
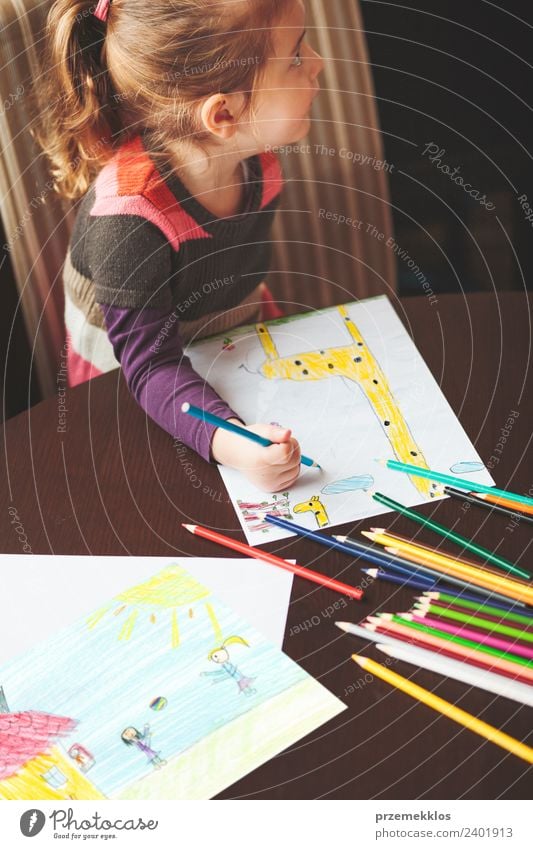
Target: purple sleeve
<point x="147" y="345"/>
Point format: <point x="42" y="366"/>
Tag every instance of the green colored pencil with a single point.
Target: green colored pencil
<point x="447" y="533"/>
<point x="469" y="644"/>
<point x="476" y="621"/>
<point x="478" y="606"/>
<point x="460" y="483"/>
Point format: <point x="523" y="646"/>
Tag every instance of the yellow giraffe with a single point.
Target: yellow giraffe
<point x="316" y="507"/>
<point x="356" y="363"/>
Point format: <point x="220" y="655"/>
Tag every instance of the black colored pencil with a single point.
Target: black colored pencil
<point x="479" y="502"/>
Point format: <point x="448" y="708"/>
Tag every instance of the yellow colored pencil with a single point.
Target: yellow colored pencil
<point x="405" y="545"/>
<point x="485" y="567"/>
<point x="449" y="566"/>
<point x="477" y="726"/>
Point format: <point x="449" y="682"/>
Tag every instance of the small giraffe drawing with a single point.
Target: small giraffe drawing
<point x="315" y="506"/>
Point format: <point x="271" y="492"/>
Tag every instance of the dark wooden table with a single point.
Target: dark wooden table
<point x="111" y="482"/>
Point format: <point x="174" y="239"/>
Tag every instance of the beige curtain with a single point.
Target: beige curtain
<point x="339" y="171"/>
<point x="37" y="225"/>
<point x="317" y="261"/>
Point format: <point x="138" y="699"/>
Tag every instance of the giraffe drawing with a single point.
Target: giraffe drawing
<point x="354" y="362"/>
<point x="315" y="506"/>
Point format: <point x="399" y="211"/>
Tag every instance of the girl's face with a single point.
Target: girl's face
<point x="220" y="656"/>
<point x="289" y="84"/>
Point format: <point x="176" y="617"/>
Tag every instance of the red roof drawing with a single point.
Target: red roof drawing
<point x="24" y="736"/>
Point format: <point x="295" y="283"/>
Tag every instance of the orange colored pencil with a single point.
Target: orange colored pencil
<point x="301" y="571"/>
<point x="478" y="658"/>
<point x="505" y="502"/>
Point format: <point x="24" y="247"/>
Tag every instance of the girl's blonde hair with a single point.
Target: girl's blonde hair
<point x="145" y="68"/>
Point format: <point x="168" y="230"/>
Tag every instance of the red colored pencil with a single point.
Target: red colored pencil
<point x="301" y="571"/>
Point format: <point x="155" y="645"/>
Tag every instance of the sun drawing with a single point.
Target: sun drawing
<point x="162" y="595"/>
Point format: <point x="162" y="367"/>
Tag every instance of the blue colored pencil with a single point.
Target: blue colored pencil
<point x="417" y="584"/>
<point x="204" y="416"/>
<point x="330" y="542"/>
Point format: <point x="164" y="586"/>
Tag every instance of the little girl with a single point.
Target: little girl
<point x="161" y="118"/>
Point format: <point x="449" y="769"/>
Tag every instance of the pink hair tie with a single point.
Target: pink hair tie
<point x="102" y="10"/>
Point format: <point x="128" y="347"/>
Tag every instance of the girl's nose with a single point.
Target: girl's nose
<point x="317" y="64"/>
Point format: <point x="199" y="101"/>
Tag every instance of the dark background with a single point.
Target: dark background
<point x="460" y="75"/>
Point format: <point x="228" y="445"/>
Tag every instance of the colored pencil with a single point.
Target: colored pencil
<point x="210" y="418"/>
<point x="410" y="568"/>
<point x="491" y="614"/>
<point x="477" y="726"/>
<point x="462" y="561"/>
<point x="506" y="502"/>
<point x="366" y="552"/>
<point x="483" y="656"/>
<point x="480" y="604"/>
<point x="508" y="588"/>
<point x="450" y="566"/>
<point x="516" y="690"/>
<point x="409" y="621"/>
<point x="448" y="534"/>
<point x="479" y="501"/>
<point x="460" y="671"/>
<point x="451" y="480"/>
<point x="475" y="621"/>
<point x="408" y="583"/>
<point x="301" y="571"/>
<point x="475" y="636"/>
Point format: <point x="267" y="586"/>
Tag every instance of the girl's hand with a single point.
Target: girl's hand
<point x="272" y="469"/>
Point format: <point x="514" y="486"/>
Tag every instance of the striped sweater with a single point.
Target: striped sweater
<point x="149" y="268"/>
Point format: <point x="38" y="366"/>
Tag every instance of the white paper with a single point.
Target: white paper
<point x="43" y="593"/>
<point x="340" y="421"/>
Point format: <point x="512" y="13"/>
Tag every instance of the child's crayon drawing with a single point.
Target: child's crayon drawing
<point x="79" y="719"/>
<point x="314" y="506"/>
<point x="253" y="514"/>
<point x="351" y="385"/>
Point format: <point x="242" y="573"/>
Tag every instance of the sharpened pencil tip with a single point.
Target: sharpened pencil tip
<point x="190" y="528"/>
<point x="185" y="407"/>
<point x="340" y="538"/>
<point x="360" y="660"/>
<point x="344" y="626"/>
<point x="380" y="460"/>
<point x="372" y="572"/>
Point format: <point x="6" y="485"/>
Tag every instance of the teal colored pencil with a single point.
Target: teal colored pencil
<point x="447" y="533"/>
<point x="204" y="416"/>
<point x="460" y="483"/>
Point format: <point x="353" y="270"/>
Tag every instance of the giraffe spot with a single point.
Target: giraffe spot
<point x="357" y="359"/>
<point x="360" y="344"/>
<point x="375" y="381"/>
<point x="305" y="371"/>
<point x="414" y="454"/>
<point x="386" y="423"/>
<point x="330" y="365"/>
<point x="297" y="362"/>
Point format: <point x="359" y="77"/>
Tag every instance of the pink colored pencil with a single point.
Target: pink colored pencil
<point x="458" y="631"/>
<point x="479" y="658"/>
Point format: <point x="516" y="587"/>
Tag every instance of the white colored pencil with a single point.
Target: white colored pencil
<point x="465" y="672"/>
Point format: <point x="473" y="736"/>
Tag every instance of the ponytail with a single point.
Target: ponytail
<point x="80" y="123"/>
<point x="105" y="80"/>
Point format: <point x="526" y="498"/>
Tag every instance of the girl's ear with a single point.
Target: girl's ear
<point x="219" y="114"/>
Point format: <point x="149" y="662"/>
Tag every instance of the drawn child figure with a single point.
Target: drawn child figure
<point x="220" y="656"/>
<point x="178" y="182"/>
<point x="81" y="756"/>
<point x="132" y="737"/>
